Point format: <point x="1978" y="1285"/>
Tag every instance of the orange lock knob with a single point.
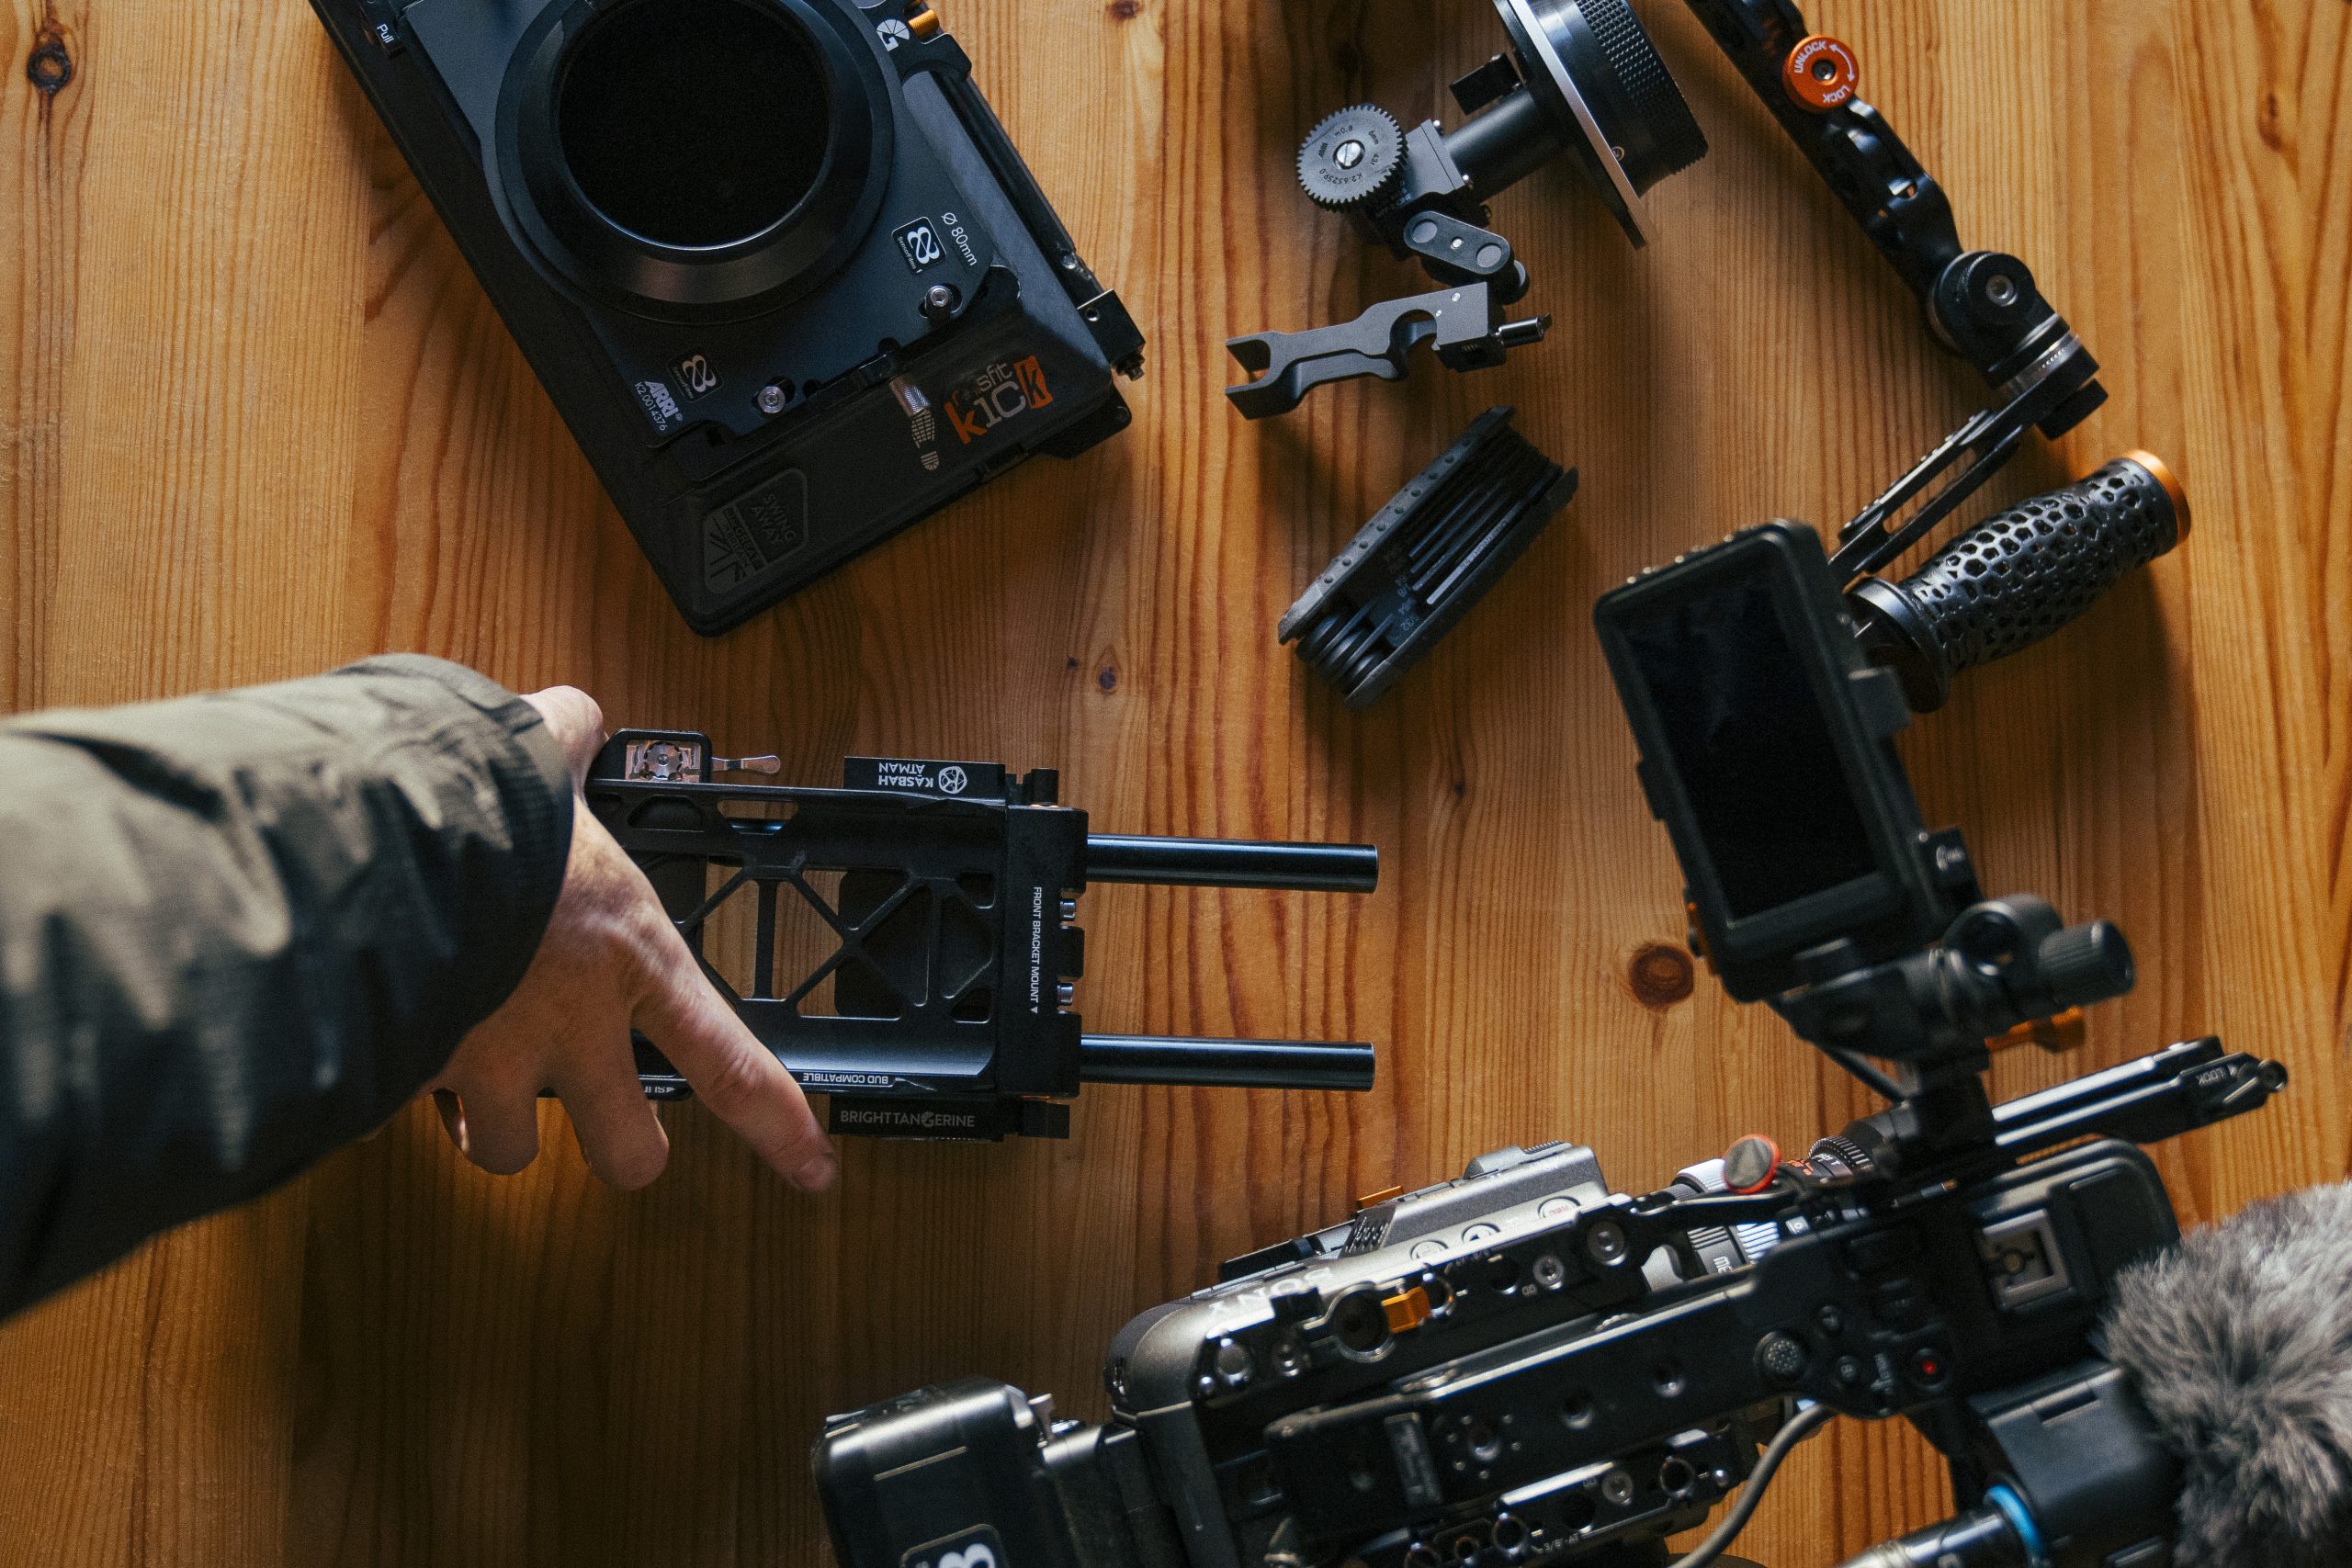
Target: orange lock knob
<point x="1820" y="74"/>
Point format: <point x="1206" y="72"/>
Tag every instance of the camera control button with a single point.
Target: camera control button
<point x="1898" y="1305"/>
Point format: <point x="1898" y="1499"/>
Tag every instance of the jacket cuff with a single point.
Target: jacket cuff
<point x="532" y="780"/>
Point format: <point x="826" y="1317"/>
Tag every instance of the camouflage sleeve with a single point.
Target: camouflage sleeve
<point x="240" y="929"/>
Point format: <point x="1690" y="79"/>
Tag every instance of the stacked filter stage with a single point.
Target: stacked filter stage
<point x="1426" y="558"/>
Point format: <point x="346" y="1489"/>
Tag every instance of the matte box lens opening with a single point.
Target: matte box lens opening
<point x="694" y="123"/>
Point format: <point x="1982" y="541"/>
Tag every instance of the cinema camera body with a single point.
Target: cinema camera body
<point x="779" y="266"/>
<point x="1525" y="1365"/>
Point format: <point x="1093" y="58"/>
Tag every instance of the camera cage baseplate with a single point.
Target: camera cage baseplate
<point x="911" y="936"/>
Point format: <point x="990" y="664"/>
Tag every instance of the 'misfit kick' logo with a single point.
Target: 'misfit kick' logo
<point x="1005" y="391"/>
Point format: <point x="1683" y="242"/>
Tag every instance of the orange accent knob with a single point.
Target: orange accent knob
<point x="1374" y="1199"/>
<point x="1698" y="939"/>
<point x="1820" y="73"/>
<point x="1750" y="1164"/>
<point x="1407" y="1309"/>
<point x="923" y="22"/>
<point x="2063" y="1033"/>
<point x="2161" y="471"/>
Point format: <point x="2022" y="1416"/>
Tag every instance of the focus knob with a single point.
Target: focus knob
<point x="1354" y="160"/>
<point x="2086" y="963"/>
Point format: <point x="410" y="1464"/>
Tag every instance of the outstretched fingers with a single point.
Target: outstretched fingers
<point x="737" y="1076"/>
<point x="497" y="1128"/>
<point x="617" y="1126"/>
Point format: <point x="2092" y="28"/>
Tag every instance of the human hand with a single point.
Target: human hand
<point x="611" y="959"/>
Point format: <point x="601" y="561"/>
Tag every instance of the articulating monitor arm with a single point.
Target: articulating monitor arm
<point x="1983" y="304"/>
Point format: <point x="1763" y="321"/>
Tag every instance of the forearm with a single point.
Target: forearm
<point x="237" y="930"/>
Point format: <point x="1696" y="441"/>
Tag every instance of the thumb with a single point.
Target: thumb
<point x="577" y="722"/>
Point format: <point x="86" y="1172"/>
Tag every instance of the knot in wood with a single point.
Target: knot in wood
<point x="1661" y="975"/>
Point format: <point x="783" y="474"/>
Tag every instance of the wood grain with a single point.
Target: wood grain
<point x="257" y="418"/>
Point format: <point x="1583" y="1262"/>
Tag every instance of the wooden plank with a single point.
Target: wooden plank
<point x="181" y="313"/>
<point x="257" y="418"/>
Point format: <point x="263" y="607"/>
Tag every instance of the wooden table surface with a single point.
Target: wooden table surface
<point x="257" y="419"/>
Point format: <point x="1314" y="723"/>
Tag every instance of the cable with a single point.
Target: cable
<point x="1875" y="1081"/>
<point x="1802" y="1427"/>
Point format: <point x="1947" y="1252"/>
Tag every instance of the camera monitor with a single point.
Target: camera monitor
<point x="1766" y="749"/>
<point x="776" y="263"/>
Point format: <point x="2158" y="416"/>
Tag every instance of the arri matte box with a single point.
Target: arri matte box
<point x="781" y="270"/>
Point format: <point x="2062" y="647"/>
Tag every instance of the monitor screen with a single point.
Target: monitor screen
<point x="1745" y="733"/>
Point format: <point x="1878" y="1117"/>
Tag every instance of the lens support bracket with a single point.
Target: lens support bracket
<point x="1465" y="326"/>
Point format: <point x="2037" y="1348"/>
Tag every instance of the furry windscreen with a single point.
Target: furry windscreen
<point x="2241" y="1342"/>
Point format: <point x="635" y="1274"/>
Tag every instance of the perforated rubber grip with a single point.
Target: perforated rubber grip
<point x="2019" y="576"/>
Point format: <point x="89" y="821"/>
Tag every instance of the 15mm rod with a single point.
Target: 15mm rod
<point x="1223" y="1064"/>
<point x="1232" y="863"/>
